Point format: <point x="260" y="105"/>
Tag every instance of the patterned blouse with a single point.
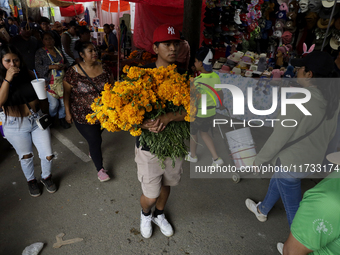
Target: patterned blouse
<point x="83" y="93"/>
<point x="42" y="63"/>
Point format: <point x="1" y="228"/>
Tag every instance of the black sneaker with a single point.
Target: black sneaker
<point x="34" y="188"/>
<point x="48" y="183"/>
<point x="64" y="123"/>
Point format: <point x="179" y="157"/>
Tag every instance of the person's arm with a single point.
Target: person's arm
<point x="294" y="247"/>
<point x="67" y="93"/>
<point x="41" y="66"/>
<point x="162" y="121"/>
<point x="281" y="135"/>
<point x="113" y="42"/>
<point x="43" y="104"/>
<point x="66" y="63"/>
<point x="4" y="89"/>
<point x="66" y="42"/>
<point x="112" y="79"/>
<point x="104" y="45"/>
<point x="188" y="58"/>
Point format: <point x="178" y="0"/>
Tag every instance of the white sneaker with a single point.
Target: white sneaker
<point x="217" y="162"/>
<point x="145" y="225"/>
<point x="163" y="224"/>
<point x="279" y="247"/>
<point x="253" y="208"/>
<point x="191" y="159"/>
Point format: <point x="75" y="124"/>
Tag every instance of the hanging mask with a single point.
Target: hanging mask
<point x="303" y="5"/>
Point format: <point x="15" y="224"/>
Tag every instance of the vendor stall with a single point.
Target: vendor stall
<point x="254" y="42"/>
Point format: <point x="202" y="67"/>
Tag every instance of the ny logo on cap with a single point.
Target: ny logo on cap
<point x="171" y="30"/>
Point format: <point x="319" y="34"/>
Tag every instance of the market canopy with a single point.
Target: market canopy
<point x="165" y="3"/>
<point x="46" y="3"/>
<point x="79" y="1"/>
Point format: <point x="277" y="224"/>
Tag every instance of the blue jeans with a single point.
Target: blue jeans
<point x="56" y="106"/>
<point x="22" y="133"/>
<point x="286" y="186"/>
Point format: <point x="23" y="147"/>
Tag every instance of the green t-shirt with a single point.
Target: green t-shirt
<point x="211" y="79"/>
<point x="317" y="222"/>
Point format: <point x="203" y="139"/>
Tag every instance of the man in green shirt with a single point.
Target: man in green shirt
<point x="316" y="226"/>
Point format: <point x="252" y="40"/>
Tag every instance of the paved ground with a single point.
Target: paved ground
<point x="208" y="215"/>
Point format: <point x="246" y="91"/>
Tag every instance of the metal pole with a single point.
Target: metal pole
<point x="118" y="38"/>
<point x="329" y="24"/>
<point x="192" y="26"/>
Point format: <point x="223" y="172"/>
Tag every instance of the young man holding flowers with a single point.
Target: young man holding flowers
<point x="155" y="179"/>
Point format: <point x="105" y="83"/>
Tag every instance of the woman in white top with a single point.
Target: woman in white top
<point x="68" y="40"/>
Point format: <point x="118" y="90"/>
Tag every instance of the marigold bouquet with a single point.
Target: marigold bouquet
<point x="146" y="94"/>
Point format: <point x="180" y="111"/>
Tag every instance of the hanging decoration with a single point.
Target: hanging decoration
<point x="112" y="6"/>
<point x="79" y="1"/>
<point x="72" y="10"/>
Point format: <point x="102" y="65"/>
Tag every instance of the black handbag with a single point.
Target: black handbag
<point x="44" y="121"/>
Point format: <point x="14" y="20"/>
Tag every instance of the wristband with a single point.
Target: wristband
<point x="7" y="81"/>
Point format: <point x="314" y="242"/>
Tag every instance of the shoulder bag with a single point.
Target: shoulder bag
<point x="94" y="86"/>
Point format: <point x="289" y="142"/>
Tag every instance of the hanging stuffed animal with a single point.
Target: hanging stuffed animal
<point x="305" y="51"/>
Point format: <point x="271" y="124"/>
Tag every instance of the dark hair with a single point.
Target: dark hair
<point x="47" y="33"/>
<point x="83" y="30"/>
<point x="10" y="18"/>
<point x="81" y="46"/>
<point x="72" y="23"/>
<point x="24" y="72"/>
<point x="106" y="25"/>
<point x="44" y="19"/>
<point x="157" y="44"/>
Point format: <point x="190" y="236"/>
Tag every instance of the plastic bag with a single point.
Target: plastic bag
<point x="33" y="249"/>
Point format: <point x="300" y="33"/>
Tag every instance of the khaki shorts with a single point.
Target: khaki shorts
<point x="152" y="176"/>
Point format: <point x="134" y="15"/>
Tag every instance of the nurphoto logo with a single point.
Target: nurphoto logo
<point x="239" y="104"/>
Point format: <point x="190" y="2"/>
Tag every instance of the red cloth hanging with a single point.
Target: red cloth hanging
<point x="69" y="10"/>
<point x="113" y="6"/>
<point x="124" y="6"/>
<point x="167" y="3"/>
<point x="149" y="17"/>
<point x="105" y="5"/>
<point x="80" y="1"/>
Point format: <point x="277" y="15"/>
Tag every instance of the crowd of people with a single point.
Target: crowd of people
<point x="68" y="61"/>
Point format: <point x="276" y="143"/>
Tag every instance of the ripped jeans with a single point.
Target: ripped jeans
<point x="22" y="134"/>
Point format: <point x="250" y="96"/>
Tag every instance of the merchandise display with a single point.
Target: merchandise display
<point x="263" y="36"/>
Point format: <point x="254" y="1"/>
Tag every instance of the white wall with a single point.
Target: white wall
<point x="108" y="17"/>
<point x="58" y="17"/>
